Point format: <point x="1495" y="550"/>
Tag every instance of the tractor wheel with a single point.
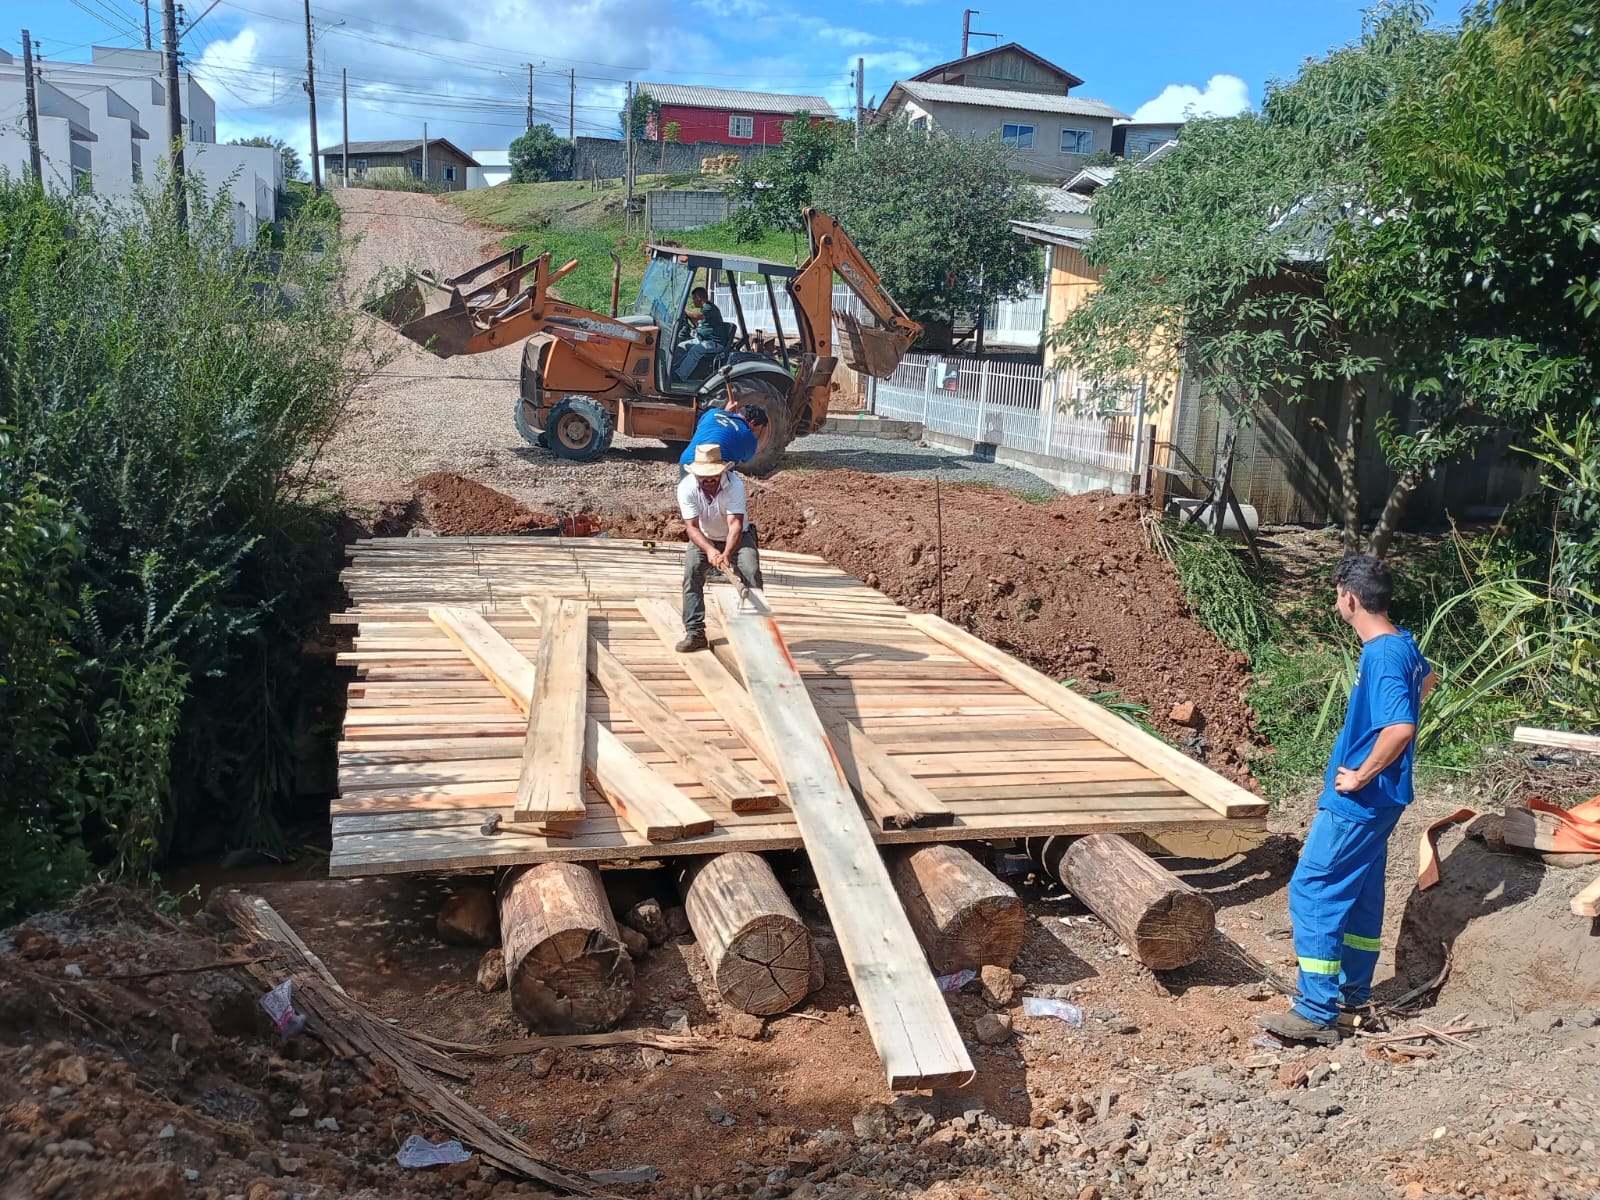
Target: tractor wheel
<point x="523" y="416"/>
<point x="579" y="429"/>
<point x="779" y="432"/>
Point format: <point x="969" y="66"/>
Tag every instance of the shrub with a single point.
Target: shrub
<point x="164" y="393"/>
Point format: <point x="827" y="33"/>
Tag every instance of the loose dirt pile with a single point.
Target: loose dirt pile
<point x="454" y="506"/>
<point x="1068" y="585"/>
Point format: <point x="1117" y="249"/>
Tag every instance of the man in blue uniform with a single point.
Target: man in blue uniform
<point x="734" y="428"/>
<point x="1336" y="893"/>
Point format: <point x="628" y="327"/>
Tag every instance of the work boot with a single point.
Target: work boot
<point x="1293" y="1027"/>
<point x="692" y="642"/>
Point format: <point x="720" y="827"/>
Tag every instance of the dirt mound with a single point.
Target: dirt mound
<point x="455" y="506"/>
<point x="127" y="1072"/>
<point x="1068" y="585"/>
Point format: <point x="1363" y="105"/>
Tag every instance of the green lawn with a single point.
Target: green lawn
<point x="571" y="220"/>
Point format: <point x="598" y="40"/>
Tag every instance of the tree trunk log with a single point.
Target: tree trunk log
<point x="758" y="949"/>
<point x="1389" y="520"/>
<point x="566" y="966"/>
<point x="964" y="916"/>
<point x="1164" y="921"/>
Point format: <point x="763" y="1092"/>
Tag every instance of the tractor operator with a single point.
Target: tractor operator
<point x="734" y="427"/>
<point x="710" y="334"/>
<point x="711" y="500"/>
<point x="1336" y="893"/>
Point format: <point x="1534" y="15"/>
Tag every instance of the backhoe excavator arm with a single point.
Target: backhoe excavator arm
<point x="873" y="351"/>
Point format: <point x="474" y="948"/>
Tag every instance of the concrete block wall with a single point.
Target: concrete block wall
<point x="607" y="157"/>
<point x="666" y="211"/>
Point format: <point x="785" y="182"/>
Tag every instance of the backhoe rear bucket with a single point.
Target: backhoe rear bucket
<point x="869" y="350"/>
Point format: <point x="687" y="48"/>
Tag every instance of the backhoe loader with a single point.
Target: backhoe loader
<point x="587" y="376"/>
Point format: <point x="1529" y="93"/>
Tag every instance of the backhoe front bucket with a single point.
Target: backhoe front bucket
<point x="441" y="317"/>
<point x="869" y="350"/>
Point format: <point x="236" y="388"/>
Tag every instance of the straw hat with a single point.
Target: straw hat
<point x="708" y="460"/>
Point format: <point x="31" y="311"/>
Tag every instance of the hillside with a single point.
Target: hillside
<point x="572" y="220"/>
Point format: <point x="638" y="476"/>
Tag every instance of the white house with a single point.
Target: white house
<point x="494" y="167"/>
<point x="1011" y="94"/>
<point x="103" y="129"/>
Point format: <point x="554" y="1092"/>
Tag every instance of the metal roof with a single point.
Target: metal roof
<point x="1053" y="235"/>
<point x="735" y="101"/>
<point x="723" y="262"/>
<point x="1030" y="102"/>
<point x="1059" y="200"/>
<point x="1072" y="80"/>
<point x="397" y="146"/>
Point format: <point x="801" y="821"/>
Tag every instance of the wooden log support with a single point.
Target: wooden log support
<point x="550" y="787"/>
<point x="736" y="787"/>
<point x="1160" y="918"/>
<point x="566" y="966"/>
<point x="894" y="796"/>
<point x="1222" y="796"/>
<point x="965" y="918"/>
<point x="755" y="943"/>
<point x="906" y="1017"/>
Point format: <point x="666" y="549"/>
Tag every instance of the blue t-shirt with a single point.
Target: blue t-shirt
<point x="1388" y="691"/>
<point x="727" y="430"/>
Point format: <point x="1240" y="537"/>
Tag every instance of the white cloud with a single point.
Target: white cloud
<point x="1223" y="96"/>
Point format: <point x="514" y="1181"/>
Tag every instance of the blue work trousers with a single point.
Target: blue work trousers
<point x="1336" y="905"/>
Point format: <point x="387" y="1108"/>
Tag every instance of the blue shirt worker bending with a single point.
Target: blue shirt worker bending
<point x="735" y="429"/>
<point x="1336" y="892"/>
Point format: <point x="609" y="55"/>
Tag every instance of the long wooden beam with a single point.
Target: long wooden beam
<point x="1199" y="781"/>
<point x="550" y="787"/>
<point x="896" y="798"/>
<point x="1530" y="736"/>
<point x="737" y="788"/>
<point x="616" y="771"/>
<point x="906" y="1015"/>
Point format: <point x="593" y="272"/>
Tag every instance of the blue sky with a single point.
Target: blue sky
<point x="461" y="66"/>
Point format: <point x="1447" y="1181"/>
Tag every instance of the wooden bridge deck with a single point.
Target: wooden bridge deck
<point x="430" y="747"/>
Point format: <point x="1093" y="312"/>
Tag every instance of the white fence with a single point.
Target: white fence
<point x="1010" y="404"/>
<point x="1008" y="322"/>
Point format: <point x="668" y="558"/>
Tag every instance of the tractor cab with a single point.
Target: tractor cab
<point x="663" y="301"/>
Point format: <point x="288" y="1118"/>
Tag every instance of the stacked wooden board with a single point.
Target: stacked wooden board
<point x="946" y="748"/>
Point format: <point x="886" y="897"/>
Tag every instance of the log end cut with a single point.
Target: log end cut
<point x="566" y="966"/>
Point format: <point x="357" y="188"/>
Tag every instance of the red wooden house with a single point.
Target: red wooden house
<point x="707" y="114"/>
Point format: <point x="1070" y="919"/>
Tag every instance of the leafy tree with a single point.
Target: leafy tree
<point x="671" y="131"/>
<point x="777" y="187"/>
<point x="539" y="155"/>
<point x="646" y="113"/>
<point x="292" y="167"/>
<point x="933" y="212"/>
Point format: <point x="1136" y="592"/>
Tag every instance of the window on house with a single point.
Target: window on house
<point x="416" y="168"/>
<point x="361" y="165"/>
<point x="920" y="124"/>
<point x="1077" y="141"/>
<point x="741" y="127"/>
<point x="449" y="174"/>
<point x="1020" y="136"/>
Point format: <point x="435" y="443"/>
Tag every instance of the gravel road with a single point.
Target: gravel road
<point x="908" y="460"/>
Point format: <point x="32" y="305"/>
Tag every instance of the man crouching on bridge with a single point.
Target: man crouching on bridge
<point x="711" y="500"/>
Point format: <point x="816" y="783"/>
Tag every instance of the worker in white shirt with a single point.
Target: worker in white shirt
<point x="711" y="500"/>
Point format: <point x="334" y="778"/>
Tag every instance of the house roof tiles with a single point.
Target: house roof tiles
<point x="396" y="146"/>
<point x="1033" y="102"/>
<point x="731" y="100"/>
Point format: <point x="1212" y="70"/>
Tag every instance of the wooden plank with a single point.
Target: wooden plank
<point x="726" y="694"/>
<point x="1587" y="902"/>
<point x="895" y="797"/>
<point x="1589" y="743"/>
<point x="1206" y="786"/>
<point x="906" y="1015"/>
<point x="550" y="787"/>
<point x="737" y="788"/>
<point x="653" y="807"/>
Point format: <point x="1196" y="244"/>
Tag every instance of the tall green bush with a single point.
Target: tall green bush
<point x="165" y="391"/>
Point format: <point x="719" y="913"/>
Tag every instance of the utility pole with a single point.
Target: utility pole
<point x="311" y="93"/>
<point x="147" y="24"/>
<point x="572" y="104"/>
<point x="424" y="153"/>
<point x="344" y="91"/>
<point x="34" y="160"/>
<point x="627" y="169"/>
<point x="169" y="46"/>
<point x="861" y="88"/>
<point x="966" y="28"/>
<point x="530" y="94"/>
